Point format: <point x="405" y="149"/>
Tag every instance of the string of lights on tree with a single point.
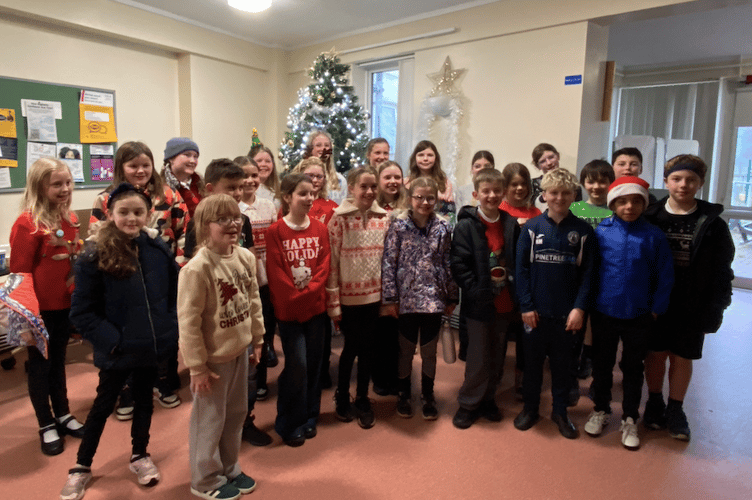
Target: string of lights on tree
<point x="329" y="104"/>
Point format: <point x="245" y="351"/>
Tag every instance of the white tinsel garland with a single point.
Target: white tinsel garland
<point x="449" y="107"/>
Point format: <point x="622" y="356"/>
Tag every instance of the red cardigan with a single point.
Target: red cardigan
<point x="46" y="256"/>
<point x="297" y="264"/>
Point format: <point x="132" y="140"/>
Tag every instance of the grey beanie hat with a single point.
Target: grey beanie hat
<point x="177" y="145"/>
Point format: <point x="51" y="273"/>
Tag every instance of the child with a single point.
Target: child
<point x="125" y="305"/>
<point x="377" y="152"/>
<point x="483" y="263"/>
<point x="319" y="144"/>
<point x="481" y="159"/>
<point x="426" y="162"/>
<point x="517" y="193"/>
<point x="268" y="177"/>
<point x="322" y="210"/>
<point x="392" y="194"/>
<point x="703" y="251"/>
<point x="219" y="315"/>
<point x="298" y="266"/>
<point x="518" y="190"/>
<point x="417" y="287"/>
<point x="134" y="164"/>
<point x="554" y="271"/>
<point x="545" y="159"/>
<point x="356" y="236"/>
<point x="261" y="212"/>
<point x="595" y="177"/>
<point x="392" y="197"/>
<point x="179" y="172"/>
<point x="627" y="161"/>
<point x="631" y="293"/>
<point x="44" y="241"/>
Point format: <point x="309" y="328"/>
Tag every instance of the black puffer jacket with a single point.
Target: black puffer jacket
<point x="470" y="261"/>
<point x="130" y="322"/>
<point x="712" y="252"/>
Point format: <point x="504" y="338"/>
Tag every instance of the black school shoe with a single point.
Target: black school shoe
<point x="364" y="412"/>
<point x="490" y="411"/>
<point x="526" y="419"/>
<point x="566" y="427"/>
<point x="54" y="446"/>
<point x="64" y="430"/>
<point x="464" y="418"/>
<point x="254" y="435"/>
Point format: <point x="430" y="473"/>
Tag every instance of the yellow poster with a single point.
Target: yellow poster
<point x="8" y="123"/>
<point x="97" y="117"/>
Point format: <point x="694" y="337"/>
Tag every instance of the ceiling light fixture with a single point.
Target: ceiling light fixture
<point x="250" y="5"/>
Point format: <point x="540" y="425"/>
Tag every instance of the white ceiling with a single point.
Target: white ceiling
<point x="697" y="31"/>
<point x="291" y="24"/>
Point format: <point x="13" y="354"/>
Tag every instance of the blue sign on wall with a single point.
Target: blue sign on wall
<point x="573" y="80"/>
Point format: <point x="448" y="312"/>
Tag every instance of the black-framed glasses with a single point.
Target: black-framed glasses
<point x="226" y="221"/>
<point x="431" y="200"/>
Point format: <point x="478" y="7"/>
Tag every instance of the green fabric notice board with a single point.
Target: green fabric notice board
<point x="12" y="91"/>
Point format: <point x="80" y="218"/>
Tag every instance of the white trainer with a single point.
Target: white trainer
<point x="147" y="472"/>
<point x="75" y="486"/>
<point x="596" y="422"/>
<point x="629" y="437"/>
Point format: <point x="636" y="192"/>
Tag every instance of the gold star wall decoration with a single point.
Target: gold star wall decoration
<point x="444" y="79"/>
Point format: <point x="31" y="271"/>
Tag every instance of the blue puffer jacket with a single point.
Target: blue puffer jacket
<point x="130" y="322"/>
<point x="636" y="269"/>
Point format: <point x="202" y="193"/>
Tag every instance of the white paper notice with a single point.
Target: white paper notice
<point x="94" y="116"/>
<point x="71" y="154"/>
<point x="55" y="105"/>
<point x="101" y="150"/>
<point x="97" y="98"/>
<point x="4" y="177"/>
<point x="41" y="122"/>
<point x="36" y="150"/>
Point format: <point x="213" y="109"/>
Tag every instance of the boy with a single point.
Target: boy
<point x="224" y="176"/>
<point x="487" y="297"/>
<point x="554" y="270"/>
<point x="631" y="293"/>
<point x="703" y="251"/>
<point x="627" y="161"/>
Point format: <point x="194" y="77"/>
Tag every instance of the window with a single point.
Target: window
<point x="384" y="101"/>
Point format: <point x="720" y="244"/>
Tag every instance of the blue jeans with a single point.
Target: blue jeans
<point x="299" y="399"/>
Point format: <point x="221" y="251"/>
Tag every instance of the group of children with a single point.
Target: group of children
<point x="217" y="264"/>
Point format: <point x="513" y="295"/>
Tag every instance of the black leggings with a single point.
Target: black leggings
<point x="359" y="328"/>
<point x="47" y="376"/>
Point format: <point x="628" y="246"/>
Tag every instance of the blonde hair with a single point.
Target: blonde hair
<point x="313" y="161"/>
<point x="210" y="209"/>
<point x="401" y="200"/>
<point x="35" y="199"/>
<point x="330" y="172"/>
<point x="559" y="178"/>
<point x="271" y="182"/>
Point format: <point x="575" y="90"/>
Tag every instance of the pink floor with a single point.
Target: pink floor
<point x="408" y="459"/>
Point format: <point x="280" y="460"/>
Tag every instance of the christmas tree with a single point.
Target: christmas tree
<point x="328" y="104"/>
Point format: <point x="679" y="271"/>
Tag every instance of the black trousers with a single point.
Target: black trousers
<point x="46" y="377"/>
<point x="110" y="383"/>
<point x="550" y="339"/>
<point x="634" y="334"/>
<point x="359" y="328"/>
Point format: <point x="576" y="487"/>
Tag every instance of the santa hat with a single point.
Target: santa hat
<point x="628" y="185"/>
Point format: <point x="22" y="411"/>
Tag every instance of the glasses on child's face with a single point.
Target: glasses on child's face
<point x="226" y="221"/>
<point x="431" y="200"/>
<point x="316" y="177"/>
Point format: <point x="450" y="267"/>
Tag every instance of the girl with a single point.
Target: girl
<point x="482" y="159"/>
<point x="268" y="177"/>
<point x="356" y="235"/>
<point x="219" y="315"/>
<point x="392" y="194"/>
<point x="545" y="159"/>
<point x="319" y="144"/>
<point x="298" y="265"/>
<point x="417" y="283"/>
<point x="179" y="172"/>
<point x="134" y="164"/>
<point x="517" y="192"/>
<point x="261" y="212"/>
<point x="322" y="208"/>
<point x="44" y="241"/>
<point x="125" y="306"/>
<point x="392" y="197"/>
<point x="377" y="152"/>
<point x="426" y="162"/>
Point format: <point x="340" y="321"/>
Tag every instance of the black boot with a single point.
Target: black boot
<point x="430" y="412"/>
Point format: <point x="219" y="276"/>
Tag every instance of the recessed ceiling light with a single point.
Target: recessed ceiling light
<point x="250" y="5"/>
